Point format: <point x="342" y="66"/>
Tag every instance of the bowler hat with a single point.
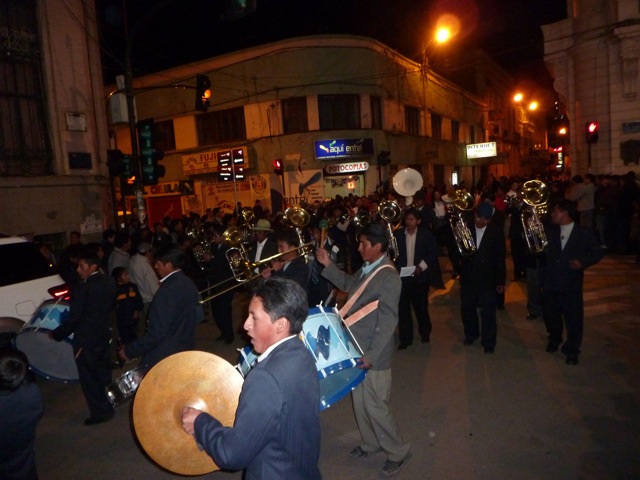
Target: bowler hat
<point x="262" y="225"/>
<point x="485" y="210"/>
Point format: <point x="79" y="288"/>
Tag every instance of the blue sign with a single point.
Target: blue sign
<point x="344" y="148"/>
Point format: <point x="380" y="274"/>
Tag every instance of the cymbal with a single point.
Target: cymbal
<point x="197" y="379"/>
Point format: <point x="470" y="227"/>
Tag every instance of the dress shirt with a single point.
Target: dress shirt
<point x="479" y="235"/>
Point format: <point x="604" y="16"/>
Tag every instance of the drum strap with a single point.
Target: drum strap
<point x="368" y="308"/>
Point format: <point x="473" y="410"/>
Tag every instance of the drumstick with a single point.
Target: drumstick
<point x="324" y="230"/>
<point x="79" y="352"/>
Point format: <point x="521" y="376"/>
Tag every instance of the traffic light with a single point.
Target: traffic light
<point x="149" y="156"/>
<point x="119" y="164"/>
<point x="591" y="132"/>
<point x="203" y="93"/>
<point x="277" y="166"/>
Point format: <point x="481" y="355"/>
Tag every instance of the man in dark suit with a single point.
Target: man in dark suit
<point x="482" y="276"/>
<point x="92" y="305"/>
<point x="172" y="315"/>
<point x="417" y="248"/>
<point x="572" y="248"/>
<point x="276" y="433"/>
<point x="290" y="265"/>
<point x="264" y="246"/>
<point x="220" y="274"/>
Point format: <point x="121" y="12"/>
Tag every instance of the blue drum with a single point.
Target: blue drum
<point x="336" y="352"/>
<point x="48" y="358"/>
<point x="334" y="349"/>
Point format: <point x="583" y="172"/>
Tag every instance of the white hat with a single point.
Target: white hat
<point x="262" y="225"/>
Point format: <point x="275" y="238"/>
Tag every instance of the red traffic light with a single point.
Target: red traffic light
<point x="277" y="166"/>
<point x="592" y="132"/>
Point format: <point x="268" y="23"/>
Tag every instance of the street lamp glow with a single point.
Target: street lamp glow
<point x="533" y="106"/>
<point x="562" y="131"/>
<point x="443" y="35"/>
<point x="518" y="97"/>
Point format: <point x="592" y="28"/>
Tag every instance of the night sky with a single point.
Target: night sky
<point x="172" y="32"/>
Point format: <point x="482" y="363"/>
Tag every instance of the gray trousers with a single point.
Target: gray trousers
<point x="376" y="425"/>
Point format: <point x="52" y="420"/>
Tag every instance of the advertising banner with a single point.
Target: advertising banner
<point x="303" y="186"/>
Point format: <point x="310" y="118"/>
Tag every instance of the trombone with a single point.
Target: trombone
<point x="245" y="270"/>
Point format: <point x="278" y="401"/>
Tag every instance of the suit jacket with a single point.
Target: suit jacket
<point x="581" y="245"/>
<point x="486" y="269"/>
<point x="270" y="248"/>
<point x="426" y="249"/>
<point x="276" y="433"/>
<point x="374" y="332"/>
<point x="297" y="270"/>
<point x="172" y="321"/>
<point x="92" y="305"/>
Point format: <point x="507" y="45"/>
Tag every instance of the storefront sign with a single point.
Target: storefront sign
<point x="169" y="188"/>
<point x="342" y="168"/>
<point x="482" y="150"/>
<point x="344" y="148"/>
<point x="209" y="162"/>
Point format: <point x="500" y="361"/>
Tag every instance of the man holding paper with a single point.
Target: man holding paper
<point x="419" y="268"/>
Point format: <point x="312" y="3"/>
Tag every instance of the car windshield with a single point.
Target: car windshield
<point x="21" y="262"/>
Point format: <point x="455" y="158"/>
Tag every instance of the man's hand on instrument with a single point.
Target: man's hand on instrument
<point x="363" y="363"/>
<point x="189" y="415"/>
<point x="323" y="257"/>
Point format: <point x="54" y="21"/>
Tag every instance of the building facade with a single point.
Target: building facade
<point x="594" y="58"/>
<point x="342" y="114"/>
<point x="53" y="129"/>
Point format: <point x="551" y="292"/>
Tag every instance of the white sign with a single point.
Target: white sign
<point x="482" y="150"/>
<point x="338" y="168"/>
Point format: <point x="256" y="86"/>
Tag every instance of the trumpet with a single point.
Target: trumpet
<point x="391" y="213"/>
<point x="462" y="202"/>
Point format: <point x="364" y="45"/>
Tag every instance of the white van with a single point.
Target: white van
<point x="26" y="280"/>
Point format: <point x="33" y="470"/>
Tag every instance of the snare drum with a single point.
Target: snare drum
<point x="125" y="386"/>
<point x="48" y="358"/>
<point x="336" y="351"/>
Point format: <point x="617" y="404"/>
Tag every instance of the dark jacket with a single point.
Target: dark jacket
<point x="276" y="433"/>
<point x="426" y="249"/>
<point x="486" y="269"/>
<point x="92" y="305"/>
<point x="172" y="321"/>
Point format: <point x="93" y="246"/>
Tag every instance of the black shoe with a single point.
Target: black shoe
<point x="467" y="342"/>
<point x="391" y="467"/>
<point x="533" y="316"/>
<point x="425" y="339"/>
<point x="358" y="452"/>
<point x="572" y="359"/>
<point x="551" y="348"/>
<point x="489" y="349"/>
<point x="97" y="420"/>
<point x="403" y="346"/>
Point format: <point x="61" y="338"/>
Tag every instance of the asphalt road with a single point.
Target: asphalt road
<point x="520" y="413"/>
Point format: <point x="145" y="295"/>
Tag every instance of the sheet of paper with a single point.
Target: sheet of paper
<point x="407" y="271"/>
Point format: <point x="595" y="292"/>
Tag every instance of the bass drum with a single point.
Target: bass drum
<point x="48" y="358"/>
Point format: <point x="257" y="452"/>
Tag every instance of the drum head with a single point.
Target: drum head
<point x="48" y="358"/>
<point x="198" y="379"/>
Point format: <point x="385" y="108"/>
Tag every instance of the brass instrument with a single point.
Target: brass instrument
<point x="245" y="270"/>
<point x="361" y="219"/>
<point x="391" y="213"/>
<point x="237" y="255"/>
<point x="407" y="182"/>
<point x="299" y="218"/>
<point x="249" y="218"/>
<point x="462" y="202"/>
<point x="535" y="195"/>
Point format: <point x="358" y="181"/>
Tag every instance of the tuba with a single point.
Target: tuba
<point x="299" y="218"/>
<point x="237" y="255"/>
<point x="248" y="217"/>
<point x="535" y="195"/>
<point x="462" y="202"/>
<point x="407" y="182"/>
<point x="391" y="213"/>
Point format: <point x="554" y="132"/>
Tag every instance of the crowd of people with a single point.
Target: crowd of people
<point x="376" y="269"/>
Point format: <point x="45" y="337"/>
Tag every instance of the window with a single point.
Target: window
<point x="294" y="115"/>
<point x="339" y="111"/>
<point x="436" y="127"/>
<point x="25" y="147"/>
<point x="164" y="136"/>
<point x="412" y="120"/>
<point x="455" y="131"/>
<point x="376" y="112"/>
<point x="221" y="126"/>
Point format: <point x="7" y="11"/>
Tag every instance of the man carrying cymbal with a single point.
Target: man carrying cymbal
<point x="276" y="433"/>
